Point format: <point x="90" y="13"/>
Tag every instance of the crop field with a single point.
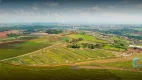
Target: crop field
<point x="48" y="57"/>
<point x="59" y="55"/>
<point x="58" y="52"/>
<point x="16" y="48"/>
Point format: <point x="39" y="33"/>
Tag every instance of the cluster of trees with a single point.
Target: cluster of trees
<point x="74" y="40"/>
<point x="92" y="46"/>
<point x="124" y="32"/>
<point x="54" y="31"/>
<point x="86" y="45"/>
<point x="12" y="35"/>
<point x="120" y="44"/>
<point x="74" y="46"/>
<point x="82" y="33"/>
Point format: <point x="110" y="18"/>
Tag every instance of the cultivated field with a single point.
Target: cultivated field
<point x="48" y="57"/>
<point x="59" y="54"/>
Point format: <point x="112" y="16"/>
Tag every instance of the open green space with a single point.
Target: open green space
<point x="39" y="65"/>
<point x="9" y="72"/>
<point x="16" y="48"/>
<point x="59" y="55"/>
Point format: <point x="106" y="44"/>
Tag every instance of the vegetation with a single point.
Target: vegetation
<point x="25" y="45"/>
<point x="36" y="57"/>
<point x="9" y="72"/>
<point x="12" y="35"/>
<point x="129" y="32"/>
<point x="60" y="55"/>
<point x="53" y="31"/>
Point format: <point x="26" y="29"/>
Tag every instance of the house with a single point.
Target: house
<point x="4" y="33"/>
<point x="135" y="48"/>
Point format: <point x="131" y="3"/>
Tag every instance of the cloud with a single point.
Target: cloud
<point x="97" y="9"/>
<point x="77" y="10"/>
<point x="52" y="4"/>
<point x="139" y="5"/>
<point x="35" y="8"/>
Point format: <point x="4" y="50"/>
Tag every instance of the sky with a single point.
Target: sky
<point x="72" y="11"/>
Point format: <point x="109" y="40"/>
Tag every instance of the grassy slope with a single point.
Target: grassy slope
<point x="87" y="38"/>
<point x="8" y="72"/>
<point x="58" y="73"/>
<point x="60" y="54"/>
<point x="26" y="47"/>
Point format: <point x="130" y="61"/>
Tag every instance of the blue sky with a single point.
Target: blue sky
<point x="71" y="11"/>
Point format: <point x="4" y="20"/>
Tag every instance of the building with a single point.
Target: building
<point x="4" y="33"/>
<point x="134" y="48"/>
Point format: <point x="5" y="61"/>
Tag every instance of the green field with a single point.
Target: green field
<point x="118" y="64"/>
<point x="15" y="48"/>
<point x="59" y="73"/>
<point x="87" y="38"/>
<point x="9" y="72"/>
<point x="59" y="55"/>
<point x="53" y="52"/>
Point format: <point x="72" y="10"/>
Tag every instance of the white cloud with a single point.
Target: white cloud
<point x="97" y="8"/>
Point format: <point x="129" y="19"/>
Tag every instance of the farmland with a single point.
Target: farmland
<point x="9" y="72"/>
<point x="60" y="55"/>
<point x="15" y="48"/>
<point x="95" y="58"/>
<point x="58" y="52"/>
